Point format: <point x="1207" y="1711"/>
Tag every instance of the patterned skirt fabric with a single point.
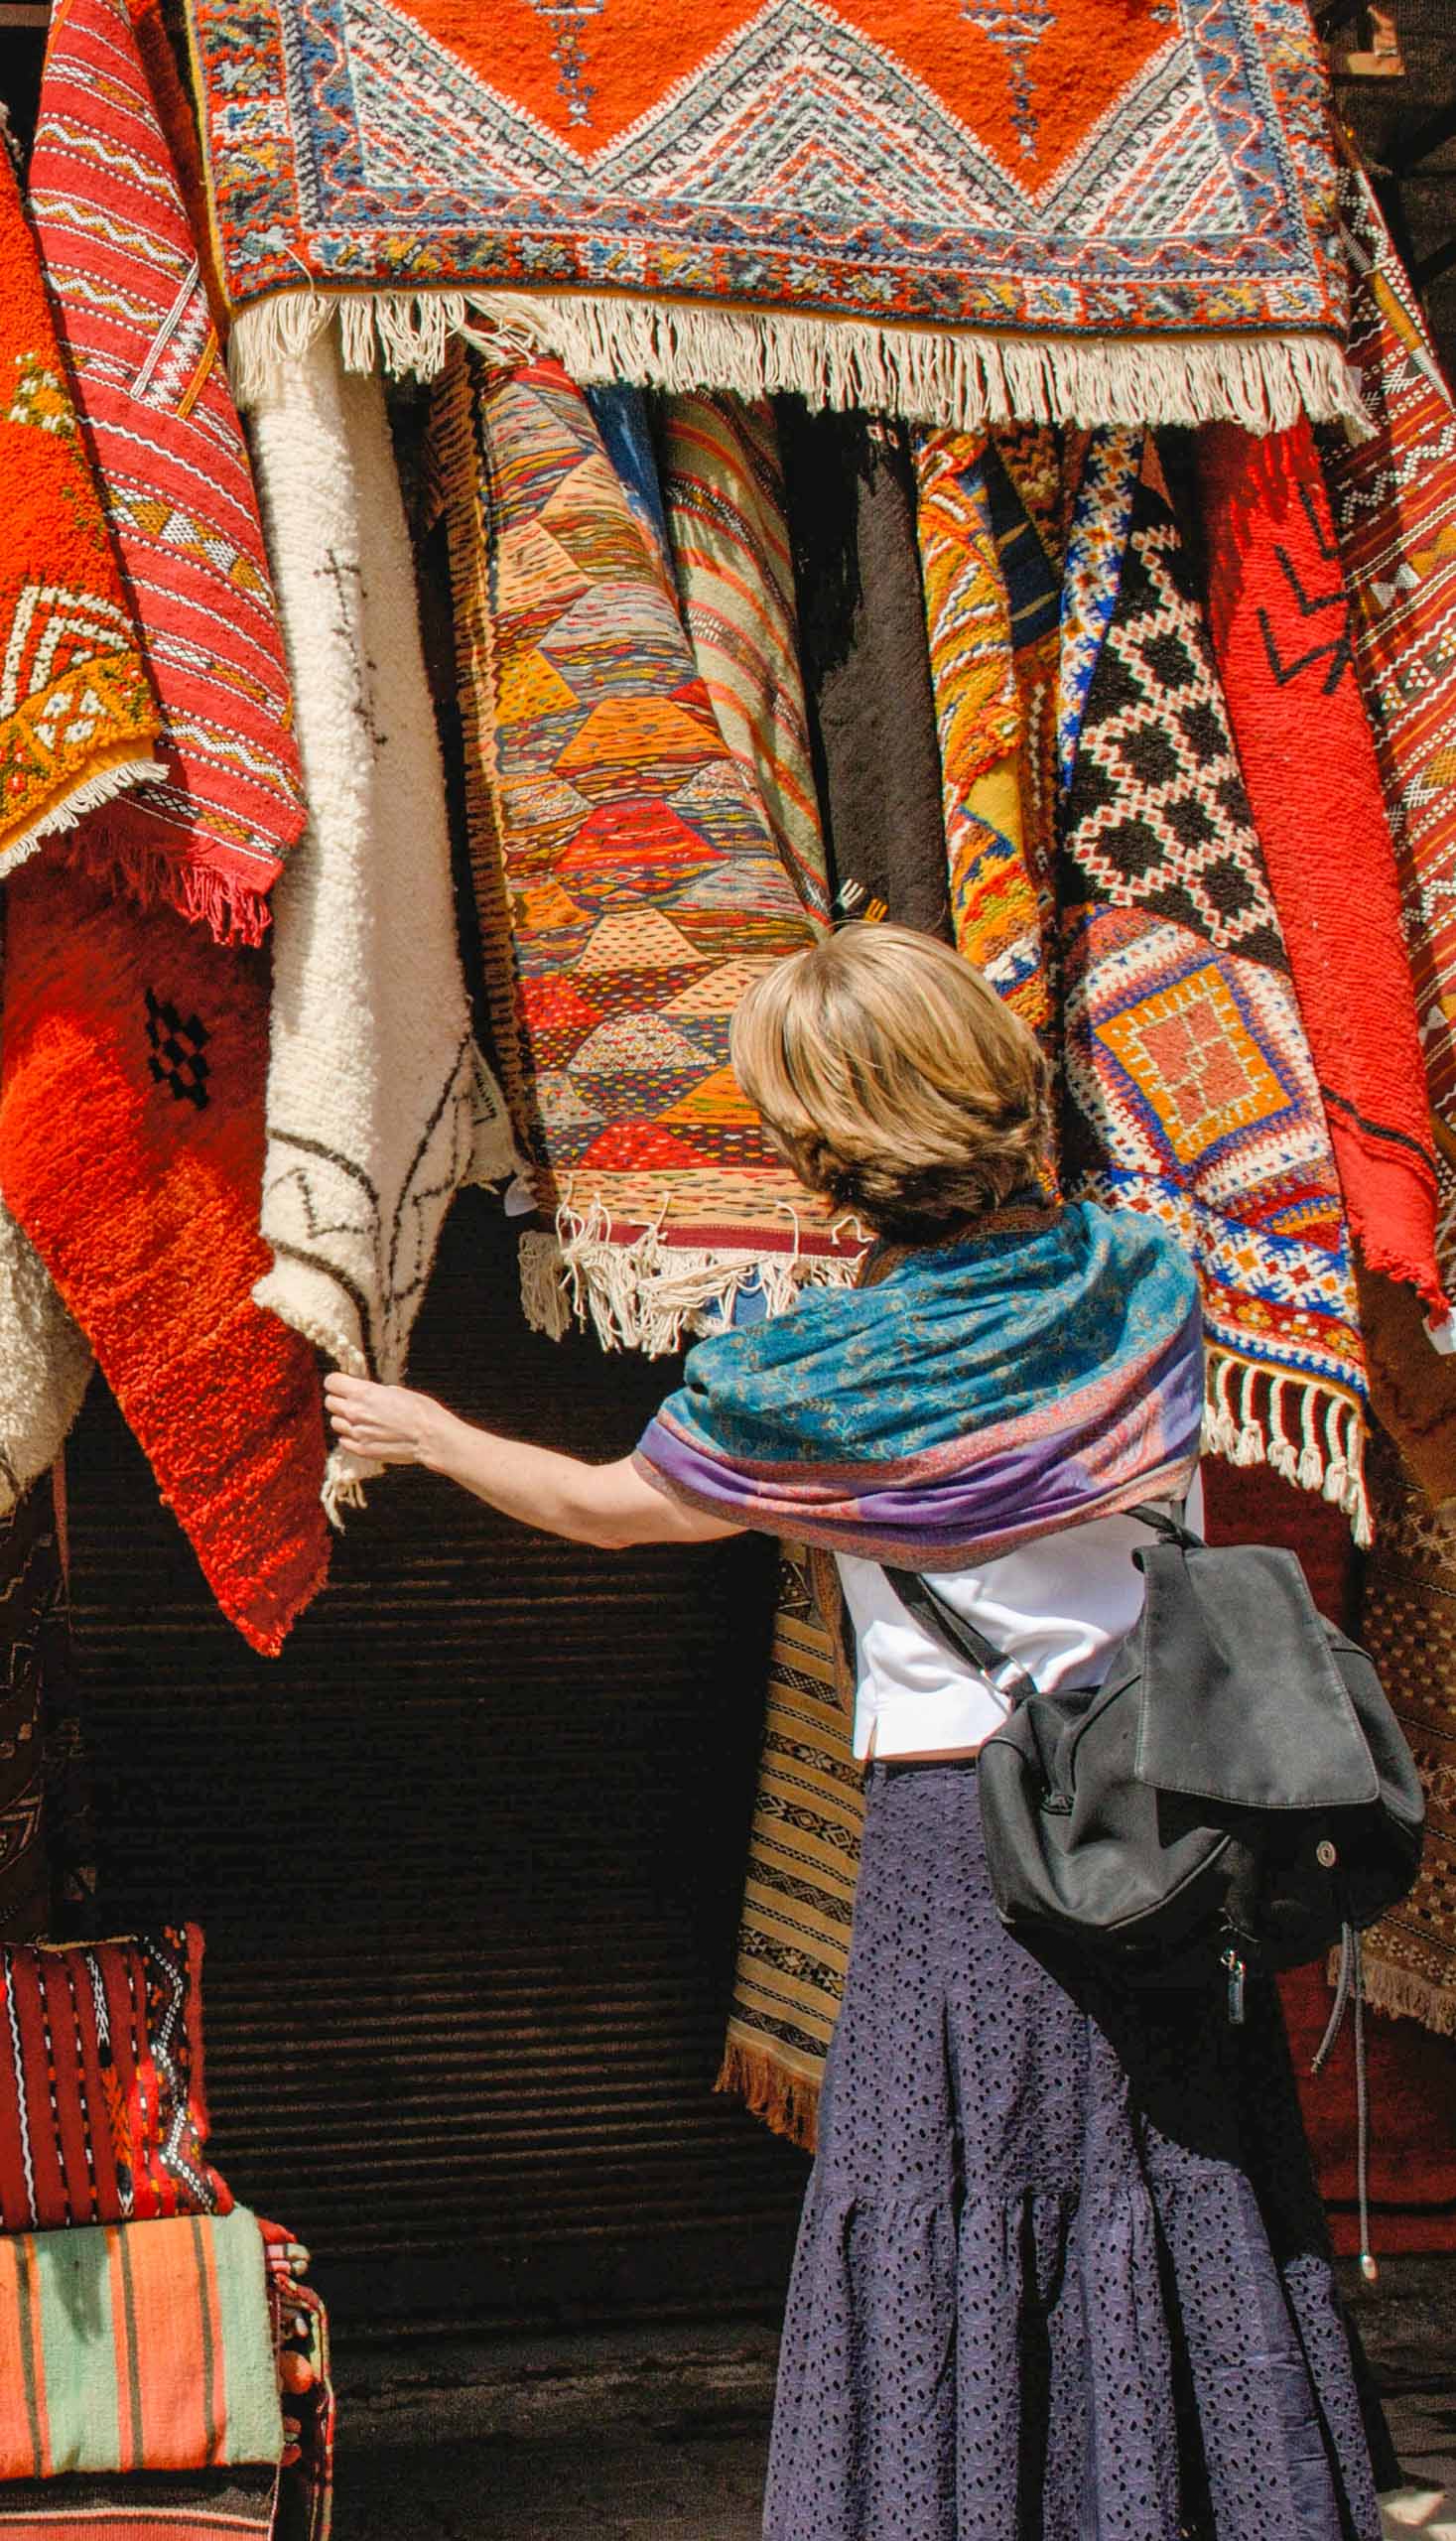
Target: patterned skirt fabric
<point x="1061" y="2270"/>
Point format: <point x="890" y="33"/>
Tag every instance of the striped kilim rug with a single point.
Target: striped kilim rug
<point x="628" y="884"/>
<point x="132" y="315"/>
<point x="1120" y="209"/>
<point x="995" y="913"/>
<point x="722" y="481"/>
<point x="803" y="1862"/>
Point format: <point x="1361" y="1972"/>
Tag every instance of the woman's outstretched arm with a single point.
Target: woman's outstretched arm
<point x="607" y="1505"/>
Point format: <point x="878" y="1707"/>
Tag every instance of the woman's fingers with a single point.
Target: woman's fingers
<point x="377" y="1421"/>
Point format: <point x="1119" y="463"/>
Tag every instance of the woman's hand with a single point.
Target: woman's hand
<point x="383" y="1424"/>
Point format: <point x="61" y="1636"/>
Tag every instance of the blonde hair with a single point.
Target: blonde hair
<point x="893" y="1078"/>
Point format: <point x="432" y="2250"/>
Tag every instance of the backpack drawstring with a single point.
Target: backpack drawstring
<point x="1350" y="1989"/>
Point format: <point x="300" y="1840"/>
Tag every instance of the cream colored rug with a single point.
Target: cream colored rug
<point x="379" y="1103"/>
<point x="45" y="1365"/>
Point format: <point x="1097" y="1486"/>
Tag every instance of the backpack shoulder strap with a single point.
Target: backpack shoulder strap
<point x="1007" y="1677"/>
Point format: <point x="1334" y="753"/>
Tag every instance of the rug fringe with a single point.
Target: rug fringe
<point x="78" y="806"/>
<point x="1309" y="1434"/>
<point x="644" y="1294"/>
<point x="1403" y="1995"/>
<point x="234" y="911"/>
<point x="933" y="374"/>
<point x="788" y="2103"/>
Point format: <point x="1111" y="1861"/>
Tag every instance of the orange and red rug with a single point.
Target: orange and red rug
<point x="77" y="717"/>
<point x="1106" y="209"/>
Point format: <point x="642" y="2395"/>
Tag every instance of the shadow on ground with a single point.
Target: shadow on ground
<point x="661" y="2435"/>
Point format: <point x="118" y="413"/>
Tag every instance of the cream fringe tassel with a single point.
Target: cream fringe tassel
<point x="933" y="374"/>
<point x="1309" y="1433"/>
<point x="1403" y="1994"/>
<point x="78" y="807"/>
<point x="649" y="1295"/>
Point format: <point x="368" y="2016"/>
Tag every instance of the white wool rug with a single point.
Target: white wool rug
<point x="44" y="1366"/>
<point x="379" y="1103"/>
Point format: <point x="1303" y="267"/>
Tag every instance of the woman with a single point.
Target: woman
<point x="1061" y="2270"/>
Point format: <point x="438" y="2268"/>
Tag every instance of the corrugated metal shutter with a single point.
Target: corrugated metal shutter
<point x="467" y="1856"/>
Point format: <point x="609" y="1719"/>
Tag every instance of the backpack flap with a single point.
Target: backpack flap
<point x="1243" y="1702"/>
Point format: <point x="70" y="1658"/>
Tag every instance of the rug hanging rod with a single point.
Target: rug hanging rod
<point x="25" y="13"/>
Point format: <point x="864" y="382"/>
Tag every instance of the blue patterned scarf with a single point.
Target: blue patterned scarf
<point x="1043" y="1370"/>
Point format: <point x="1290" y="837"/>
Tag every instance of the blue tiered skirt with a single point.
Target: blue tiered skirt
<point x="1062" y="2273"/>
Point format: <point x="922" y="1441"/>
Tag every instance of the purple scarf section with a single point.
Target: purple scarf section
<point x="978" y="1397"/>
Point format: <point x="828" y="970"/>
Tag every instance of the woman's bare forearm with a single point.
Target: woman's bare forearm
<point x="610" y="1504"/>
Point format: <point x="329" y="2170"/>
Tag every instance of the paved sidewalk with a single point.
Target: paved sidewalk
<point x="660" y="2434"/>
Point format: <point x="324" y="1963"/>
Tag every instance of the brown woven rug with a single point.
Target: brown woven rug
<point x="1409" y="1629"/>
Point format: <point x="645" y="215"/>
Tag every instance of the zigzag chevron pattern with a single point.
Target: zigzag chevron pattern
<point x="1124" y="165"/>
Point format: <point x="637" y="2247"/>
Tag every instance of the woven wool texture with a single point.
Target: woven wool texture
<point x="995" y="911"/>
<point x="724" y="485"/>
<point x="803" y="1861"/>
<point x="1283" y="634"/>
<point x="77" y="717"/>
<point x="45" y="1365"/>
<point x="628" y="884"/>
<point x="867" y="666"/>
<point x="137" y="2346"/>
<point x="625" y="421"/>
<point x="1104" y="481"/>
<point x="103" y="2110"/>
<point x="131" y="1153"/>
<point x="1116" y="211"/>
<point x="1392" y="498"/>
<point x="379" y="1103"/>
<point x="1409" y="1625"/>
<point x="301" y="2320"/>
<point x="159" y="427"/>
<point x="183" y="2505"/>
<point x="33" y="1644"/>
<point x="1190" y="1091"/>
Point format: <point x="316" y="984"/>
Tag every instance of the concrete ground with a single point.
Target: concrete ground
<point x="661" y="2434"/>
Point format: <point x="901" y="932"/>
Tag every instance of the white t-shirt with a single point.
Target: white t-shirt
<point x="1057" y="1606"/>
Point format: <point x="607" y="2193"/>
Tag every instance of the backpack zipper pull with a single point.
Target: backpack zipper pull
<point x="1237" y="1973"/>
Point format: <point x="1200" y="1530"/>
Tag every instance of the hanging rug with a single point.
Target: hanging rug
<point x="1114" y="210"/>
<point x="628" y="884"/>
<point x="1394" y="504"/>
<point x="1281" y="617"/>
<point x="1409" y="1626"/>
<point x="131" y="1153"/>
<point x="77" y="717"/>
<point x="379" y="1102"/>
<point x="159" y="422"/>
<point x="724" y="487"/>
<point x="1190" y="1091"/>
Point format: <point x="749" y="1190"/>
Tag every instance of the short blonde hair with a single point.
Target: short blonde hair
<point x="895" y="1079"/>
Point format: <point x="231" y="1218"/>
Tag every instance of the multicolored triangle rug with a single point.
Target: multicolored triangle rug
<point x="1116" y="211"/>
<point x="628" y="884"/>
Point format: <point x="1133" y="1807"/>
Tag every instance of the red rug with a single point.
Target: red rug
<point x="1412" y="2073"/>
<point x="131" y="1151"/>
<point x="131" y="311"/>
<point x="1281" y="626"/>
<point x="77" y="717"/>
